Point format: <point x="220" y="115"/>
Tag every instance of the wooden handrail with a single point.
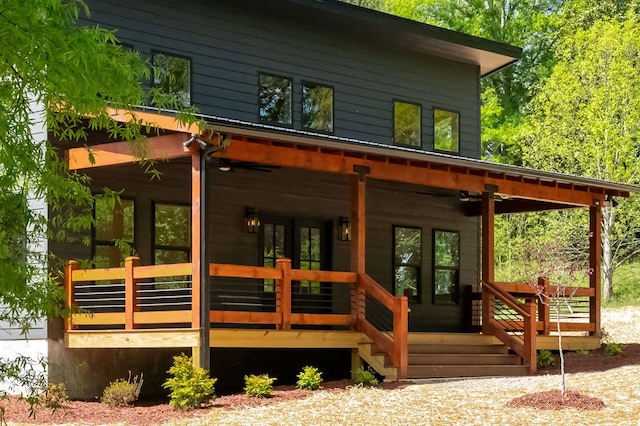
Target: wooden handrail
<point x="376" y="291"/>
<point x="506" y="298"/>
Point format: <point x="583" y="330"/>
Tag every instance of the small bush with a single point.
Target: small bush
<point x="54" y="397"/>
<point x="122" y="393"/>
<point x="309" y="378"/>
<point x="365" y="377"/>
<point x="613" y="349"/>
<point x="544" y="359"/>
<point x="259" y="386"/>
<point x="190" y="386"/>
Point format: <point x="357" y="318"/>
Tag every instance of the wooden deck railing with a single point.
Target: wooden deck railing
<point x="131" y="297"/>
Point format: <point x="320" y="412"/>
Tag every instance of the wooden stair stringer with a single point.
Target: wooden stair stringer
<point x="377" y="361"/>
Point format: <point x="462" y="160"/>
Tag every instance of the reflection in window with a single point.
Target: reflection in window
<point x="274" y="246"/>
<point x="310" y="257"/>
<point x="172" y="230"/>
<point x="446" y="131"/>
<point x="275" y="99"/>
<point x="317" y="107"/>
<point x="172" y="75"/>
<point x="113" y="231"/>
<point x="406" y="124"/>
<point x="446" y="266"/>
<point x="407" y="258"/>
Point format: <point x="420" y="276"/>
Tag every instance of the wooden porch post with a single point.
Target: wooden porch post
<point x="199" y="267"/>
<point x="595" y="259"/>
<point x="71" y="266"/>
<point x="358" y="254"/>
<point x="488" y="254"/>
<point x="283" y="290"/>
<point x="130" y="292"/>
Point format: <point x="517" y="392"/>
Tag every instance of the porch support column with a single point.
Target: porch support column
<point x="200" y="271"/>
<point x="358" y="253"/>
<point x="595" y="260"/>
<point x="488" y="254"/>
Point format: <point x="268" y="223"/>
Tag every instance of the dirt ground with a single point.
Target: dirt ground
<point x="622" y="325"/>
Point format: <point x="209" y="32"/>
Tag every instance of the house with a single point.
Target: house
<point x="333" y="210"/>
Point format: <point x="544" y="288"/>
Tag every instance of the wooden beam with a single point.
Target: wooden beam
<point x="196" y="239"/>
<point x="358" y="224"/>
<point x="109" y="154"/>
<point x="488" y="257"/>
<point x="235" y="338"/>
<point x="473" y="209"/>
<point x="160" y="338"/>
<point x="155" y="120"/>
<point x="595" y="262"/>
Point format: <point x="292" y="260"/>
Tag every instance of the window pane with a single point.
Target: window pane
<point x="107" y="257"/>
<point x="172" y="225"/>
<point x="275" y="99"/>
<point x="172" y="74"/>
<point x="408" y="246"/>
<point x="446" y="128"/>
<point x="406" y="124"/>
<point x="279" y="240"/>
<point x="447" y="249"/>
<point x="317" y="107"/>
<point x="445" y="285"/>
<point x="406" y="280"/>
<point x="171" y="256"/>
<point x="114" y="221"/>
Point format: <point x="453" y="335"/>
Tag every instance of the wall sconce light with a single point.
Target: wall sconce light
<point x="345" y="229"/>
<point x="252" y="220"/>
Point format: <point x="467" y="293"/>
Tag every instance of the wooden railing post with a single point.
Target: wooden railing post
<point x="543" y="305"/>
<point x="283" y="287"/>
<point x="69" y="291"/>
<point x="130" y="292"/>
<point x="488" y="311"/>
<point x="400" y="335"/>
<point x="357" y="301"/>
<point x="530" y="332"/>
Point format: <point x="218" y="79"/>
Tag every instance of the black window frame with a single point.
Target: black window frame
<point x="455" y="294"/>
<point x="452" y="111"/>
<point x="418" y="296"/>
<point x="111" y="243"/>
<point x="155" y="246"/>
<point x="420" y="123"/>
<point x="155" y="52"/>
<point x="307" y="83"/>
<point x="259" y="87"/>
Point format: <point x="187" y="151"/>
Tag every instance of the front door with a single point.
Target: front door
<point x="305" y="242"/>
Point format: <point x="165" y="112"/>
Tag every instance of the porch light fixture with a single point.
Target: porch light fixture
<point x="345" y="229"/>
<point x="252" y="220"/>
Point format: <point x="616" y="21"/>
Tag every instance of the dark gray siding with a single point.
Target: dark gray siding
<point x="298" y="193"/>
<point x="228" y="49"/>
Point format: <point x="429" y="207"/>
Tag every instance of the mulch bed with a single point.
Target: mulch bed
<point x="553" y="400"/>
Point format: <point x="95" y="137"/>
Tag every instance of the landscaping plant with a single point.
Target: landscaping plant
<point x="365" y="377"/>
<point x="122" y="393"/>
<point x="190" y="385"/>
<point x="309" y="378"/>
<point x="544" y="358"/>
<point x="613" y="349"/>
<point x="259" y="386"/>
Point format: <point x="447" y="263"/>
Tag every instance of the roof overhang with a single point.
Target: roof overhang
<point x="381" y="29"/>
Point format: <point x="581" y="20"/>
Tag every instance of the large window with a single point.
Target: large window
<point x="446" y="130"/>
<point x="446" y="266"/>
<point x="274" y="99"/>
<point x="172" y="233"/>
<point x="407" y="258"/>
<point x="317" y="107"/>
<point x="172" y="75"/>
<point x="406" y="123"/>
<point x="113" y="232"/>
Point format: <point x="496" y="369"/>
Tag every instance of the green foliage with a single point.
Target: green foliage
<point x="259" y="386"/>
<point x="544" y="359"/>
<point x="54" y="397"/>
<point x="365" y="377"/>
<point x="309" y="378"/>
<point x="190" y="385"/>
<point x="122" y="392"/>
<point x="613" y="349"/>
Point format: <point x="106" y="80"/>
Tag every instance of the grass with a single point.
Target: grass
<point x="626" y="286"/>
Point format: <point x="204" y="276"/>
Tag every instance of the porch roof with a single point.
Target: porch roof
<point x="522" y="189"/>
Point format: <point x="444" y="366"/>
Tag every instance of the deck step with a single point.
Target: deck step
<point x="457" y="349"/>
<point x="447" y="371"/>
<point x="460" y="359"/>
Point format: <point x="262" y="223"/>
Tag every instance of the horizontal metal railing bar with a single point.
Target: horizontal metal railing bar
<point x="143" y="305"/>
<point x="102" y="299"/>
<point x="105" y="286"/>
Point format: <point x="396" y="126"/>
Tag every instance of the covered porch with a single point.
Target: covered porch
<point x="134" y="306"/>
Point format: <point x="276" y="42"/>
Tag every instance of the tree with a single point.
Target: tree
<point x="584" y="121"/>
<point x="60" y="78"/>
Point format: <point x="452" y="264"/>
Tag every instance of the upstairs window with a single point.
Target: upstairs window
<point x="172" y="233"/>
<point x="113" y="231"/>
<point x="407" y="261"/>
<point x="446" y="266"/>
<point x="446" y="130"/>
<point x="172" y="75"/>
<point x="317" y="107"/>
<point x="274" y="100"/>
<point x="406" y="124"/>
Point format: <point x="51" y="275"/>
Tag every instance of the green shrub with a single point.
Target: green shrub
<point x="259" y="386"/>
<point x="190" y="386"/>
<point x="544" y="358"/>
<point x="365" y="377"/>
<point x="309" y="378"/>
<point x="613" y="349"/>
<point x="53" y="397"/>
<point x="122" y="392"/>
